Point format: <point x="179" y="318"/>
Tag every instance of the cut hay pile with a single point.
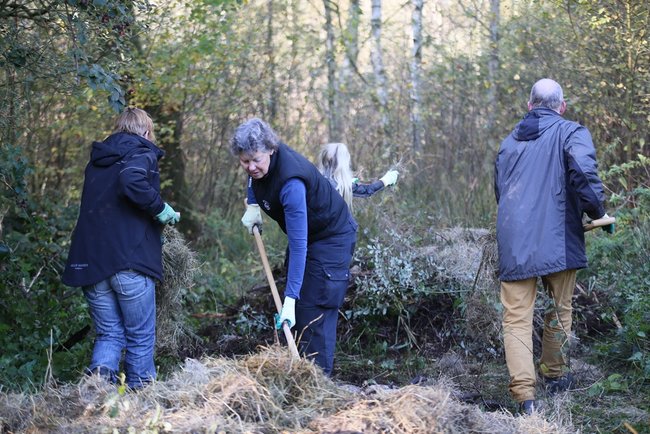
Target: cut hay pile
<point x="468" y="258"/>
<point x="266" y="392"/>
<point x="179" y="268"/>
<point x="431" y="409"/>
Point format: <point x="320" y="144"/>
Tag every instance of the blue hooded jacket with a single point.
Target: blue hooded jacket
<point x="116" y="229"/>
<point x="546" y="176"/>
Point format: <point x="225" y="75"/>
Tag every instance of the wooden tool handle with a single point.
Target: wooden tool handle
<point x="276" y="296"/>
<point x="598" y="223"/>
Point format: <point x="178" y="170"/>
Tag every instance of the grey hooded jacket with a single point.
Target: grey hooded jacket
<point x="546" y="176"/>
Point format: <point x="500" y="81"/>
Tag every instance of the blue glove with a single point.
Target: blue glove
<point x="168" y="215"/>
<point x="287" y="314"/>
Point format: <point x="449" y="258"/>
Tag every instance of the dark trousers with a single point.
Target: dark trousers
<point x="327" y="273"/>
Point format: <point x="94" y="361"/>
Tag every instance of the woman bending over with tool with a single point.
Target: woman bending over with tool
<point x="334" y="164"/>
<point x="320" y="229"/>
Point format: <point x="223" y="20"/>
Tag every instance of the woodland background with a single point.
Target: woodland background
<point x="427" y="87"/>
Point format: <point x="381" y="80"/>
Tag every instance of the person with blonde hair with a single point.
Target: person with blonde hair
<point x="334" y="163"/>
<point x="116" y="250"/>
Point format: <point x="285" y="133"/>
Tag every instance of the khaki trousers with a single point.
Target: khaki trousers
<point x="518" y="299"/>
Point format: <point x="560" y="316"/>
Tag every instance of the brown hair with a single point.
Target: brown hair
<point x="135" y="121"/>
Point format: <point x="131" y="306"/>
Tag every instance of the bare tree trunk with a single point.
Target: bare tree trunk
<point x="272" y="102"/>
<point x="9" y="129"/>
<point x="349" y="64"/>
<point x="294" y="110"/>
<point x="333" y="123"/>
<point x="380" y="73"/>
<point x="416" y="67"/>
<point x="168" y="117"/>
<point x="351" y="41"/>
<point x="493" y="65"/>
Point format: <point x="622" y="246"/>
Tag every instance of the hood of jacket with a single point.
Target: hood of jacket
<point x="533" y="125"/>
<point x="116" y="146"/>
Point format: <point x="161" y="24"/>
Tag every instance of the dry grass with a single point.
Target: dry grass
<point x="268" y="391"/>
<point x="469" y="258"/>
<point x="179" y="268"/>
<point x="265" y="392"/>
<point x="431" y="409"/>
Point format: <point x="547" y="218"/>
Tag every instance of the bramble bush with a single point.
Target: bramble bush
<point x="621" y="264"/>
<point x="38" y="314"/>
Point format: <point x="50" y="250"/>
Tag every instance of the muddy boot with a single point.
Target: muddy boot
<point x="559" y="384"/>
<point x="529" y="407"/>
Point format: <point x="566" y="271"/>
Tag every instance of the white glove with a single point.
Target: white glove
<point x="389" y="178"/>
<point x="587" y="220"/>
<point x="287" y="314"/>
<point x="252" y="217"/>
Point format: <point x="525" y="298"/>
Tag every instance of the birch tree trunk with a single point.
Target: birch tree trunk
<point x="293" y="114"/>
<point x="333" y="123"/>
<point x="493" y="65"/>
<point x="379" y="72"/>
<point x="416" y="67"/>
<point x="272" y="101"/>
<point x="351" y="42"/>
<point x="349" y="63"/>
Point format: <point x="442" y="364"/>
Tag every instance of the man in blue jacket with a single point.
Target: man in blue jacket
<point x="116" y="249"/>
<point x="546" y="177"/>
<point x="319" y="226"/>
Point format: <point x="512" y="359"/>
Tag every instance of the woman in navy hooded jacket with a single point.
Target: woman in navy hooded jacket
<point x="116" y="249"/>
<point x="320" y="229"/>
<point x="546" y="177"/>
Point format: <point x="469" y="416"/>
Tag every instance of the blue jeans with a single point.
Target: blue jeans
<point x="123" y="310"/>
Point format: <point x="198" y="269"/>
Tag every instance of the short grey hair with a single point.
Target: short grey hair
<point x="252" y="136"/>
<point x="546" y="93"/>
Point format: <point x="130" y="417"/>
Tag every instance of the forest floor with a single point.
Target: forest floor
<point x="440" y="370"/>
<point x="462" y="350"/>
<point x="605" y="400"/>
<point x="249" y="383"/>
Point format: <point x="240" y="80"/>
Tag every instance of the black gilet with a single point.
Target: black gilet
<point x="327" y="212"/>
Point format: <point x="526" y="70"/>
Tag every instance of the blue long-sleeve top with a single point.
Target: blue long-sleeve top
<point x="361" y="189"/>
<point x="293" y="196"/>
<point x="366" y="190"/>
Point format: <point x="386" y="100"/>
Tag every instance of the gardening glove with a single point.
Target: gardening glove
<point x="389" y="178"/>
<point x="252" y="217"/>
<point x="287" y="314"/>
<point x="168" y="215"/>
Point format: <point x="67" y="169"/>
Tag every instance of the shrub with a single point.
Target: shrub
<point x="621" y="265"/>
<point x="40" y="319"/>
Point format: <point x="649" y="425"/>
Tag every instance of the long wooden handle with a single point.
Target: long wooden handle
<point x="276" y="296"/>
<point x="598" y="223"/>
